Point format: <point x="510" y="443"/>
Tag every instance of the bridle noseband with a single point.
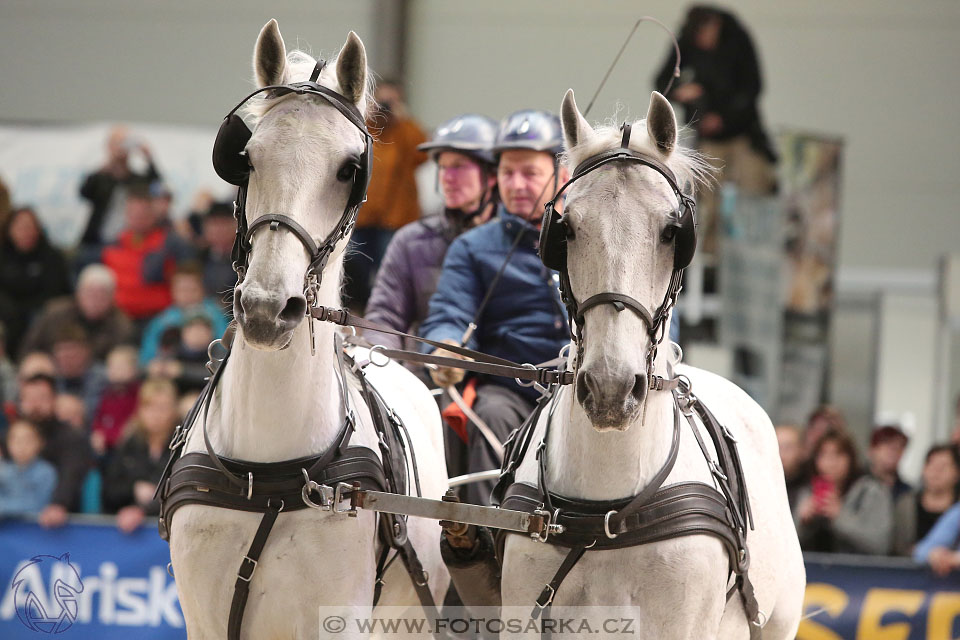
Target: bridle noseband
<point x="555" y="231"/>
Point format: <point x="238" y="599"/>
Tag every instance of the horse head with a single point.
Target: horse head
<point x="621" y="226"/>
<point x="305" y="159"/>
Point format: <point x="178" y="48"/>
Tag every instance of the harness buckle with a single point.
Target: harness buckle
<point x="606" y="525"/>
<point x="546" y="596"/>
<point x="549" y="525"/>
<point x="253" y="568"/>
<point x="338" y="493"/>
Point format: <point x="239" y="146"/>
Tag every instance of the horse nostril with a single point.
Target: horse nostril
<point x="586" y="385"/>
<point x="639" y="390"/>
<point x="294" y="310"/>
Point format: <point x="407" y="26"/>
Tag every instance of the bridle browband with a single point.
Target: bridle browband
<point x="319" y="253"/>
<point x="655" y="322"/>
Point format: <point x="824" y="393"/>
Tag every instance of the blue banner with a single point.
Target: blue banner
<point x="86" y="581"/>
<point x="865" y="598"/>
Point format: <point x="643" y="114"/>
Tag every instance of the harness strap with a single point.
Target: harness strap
<point x="545" y="600"/>
<point x="248" y="566"/>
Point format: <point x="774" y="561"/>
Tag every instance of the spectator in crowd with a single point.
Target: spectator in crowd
<point x="392" y="196"/>
<point x="63" y="447"/>
<point x="26" y="480"/>
<point x="107" y="188"/>
<point x="719" y="87"/>
<point x="8" y="373"/>
<point x="135" y="295"/>
<point x="70" y="409"/>
<point x="916" y="513"/>
<point x="32" y="271"/>
<point x="77" y="372"/>
<point x="842" y="510"/>
<point x="92" y="307"/>
<point x="940" y="548"/>
<point x="524" y="319"/>
<point x="119" y="399"/>
<point x="467" y="174"/>
<point x="36" y="363"/>
<point x="184" y="360"/>
<point x="4" y="202"/>
<point x="790" y="441"/>
<point x="218" y="230"/>
<point x="823" y="419"/>
<point x="135" y="468"/>
<point x="887" y="444"/>
<point x="188" y="298"/>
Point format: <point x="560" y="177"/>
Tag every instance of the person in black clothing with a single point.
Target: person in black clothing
<point x="719" y="87"/>
<point x="32" y="272"/>
<point x="915" y="513"/>
<point x="65" y="448"/>
<point x="133" y="472"/>
<point x="105" y="189"/>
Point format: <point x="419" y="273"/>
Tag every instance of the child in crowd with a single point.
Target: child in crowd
<point x="26" y="480"/>
<point x="136" y="465"/>
<point x="70" y="409"/>
<point x="119" y="400"/>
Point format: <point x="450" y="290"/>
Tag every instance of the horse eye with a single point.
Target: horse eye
<point x="669" y="233"/>
<point x="347" y="172"/>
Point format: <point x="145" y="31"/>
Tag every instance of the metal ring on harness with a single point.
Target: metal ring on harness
<point x="282" y="504"/>
<point x="526" y="383"/>
<point x="374" y="349"/>
<point x="606" y="524"/>
<point x="761" y="619"/>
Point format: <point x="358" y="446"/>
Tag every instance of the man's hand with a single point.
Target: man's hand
<point x="52" y="516"/>
<point x="711" y="124"/>
<point x="143" y="492"/>
<point x="447" y="376"/>
<point x="687" y="93"/>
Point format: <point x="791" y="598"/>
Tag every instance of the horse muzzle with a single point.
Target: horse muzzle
<point x="267" y="320"/>
<point x="612" y="399"/>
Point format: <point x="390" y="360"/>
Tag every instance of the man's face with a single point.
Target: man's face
<point x="526" y="182"/>
<point x="94" y="300"/>
<point x="72" y="358"/>
<point x="462" y="181"/>
<point x="37" y="400"/>
<point x="885" y="455"/>
<point x="219" y="233"/>
<point x="139" y="214"/>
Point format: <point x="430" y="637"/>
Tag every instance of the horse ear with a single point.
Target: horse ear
<point x="352" y="68"/>
<point x="661" y="123"/>
<point x="269" y="56"/>
<point x="576" y="129"/>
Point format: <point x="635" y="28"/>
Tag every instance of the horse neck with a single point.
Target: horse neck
<point x="585" y="463"/>
<point x="278" y="405"/>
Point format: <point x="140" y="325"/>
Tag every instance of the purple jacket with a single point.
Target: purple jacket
<point x="408" y="277"/>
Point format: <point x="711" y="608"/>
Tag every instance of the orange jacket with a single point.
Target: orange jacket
<point x="392" y="196"/>
<point x="136" y="297"/>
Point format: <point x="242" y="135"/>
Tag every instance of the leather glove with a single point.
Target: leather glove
<point x="447" y="376"/>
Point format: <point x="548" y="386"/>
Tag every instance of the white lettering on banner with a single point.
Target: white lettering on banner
<point x="127" y="601"/>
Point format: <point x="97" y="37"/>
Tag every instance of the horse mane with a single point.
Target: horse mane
<point x="690" y="166"/>
<point x="300" y="65"/>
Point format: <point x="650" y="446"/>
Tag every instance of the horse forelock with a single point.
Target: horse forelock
<point x="690" y="167"/>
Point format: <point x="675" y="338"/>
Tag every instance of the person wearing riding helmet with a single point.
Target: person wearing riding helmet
<point x="466" y="174"/>
<point x="493" y="278"/>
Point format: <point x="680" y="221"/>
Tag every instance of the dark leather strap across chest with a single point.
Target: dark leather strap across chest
<point x="657" y="513"/>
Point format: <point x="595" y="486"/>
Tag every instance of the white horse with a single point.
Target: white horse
<point x="278" y="402"/>
<point x="599" y="449"/>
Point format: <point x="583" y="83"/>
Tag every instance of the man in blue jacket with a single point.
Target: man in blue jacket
<point x="524" y="319"/>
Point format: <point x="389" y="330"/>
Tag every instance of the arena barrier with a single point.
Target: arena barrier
<point x="88" y="580"/>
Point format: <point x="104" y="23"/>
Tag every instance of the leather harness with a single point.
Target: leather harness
<point x="270" y="488"/>
<point x="657" y="513"/>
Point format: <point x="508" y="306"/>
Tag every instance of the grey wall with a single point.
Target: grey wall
<point x="880" y="73"/>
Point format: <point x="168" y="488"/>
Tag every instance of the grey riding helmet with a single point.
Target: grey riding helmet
<point x="470" y="134"/>
<point x="531" y="129"/>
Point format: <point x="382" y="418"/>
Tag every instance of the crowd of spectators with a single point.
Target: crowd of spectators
<point x="847" y="504"/>
<point x="103" y="346"/>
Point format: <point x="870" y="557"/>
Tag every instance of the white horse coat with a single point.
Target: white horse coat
<point x="674" y="588"/>
<point x="277" y="402"/>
